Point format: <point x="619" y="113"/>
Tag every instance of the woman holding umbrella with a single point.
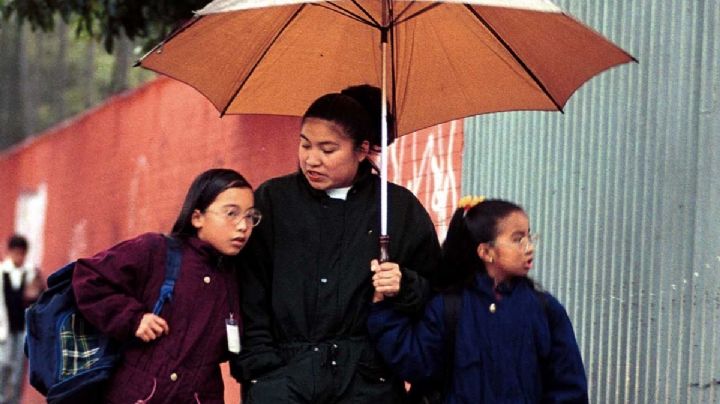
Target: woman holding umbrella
<point x="306" y="279"/>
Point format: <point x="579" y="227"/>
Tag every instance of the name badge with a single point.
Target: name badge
<point x="233" y="334"/>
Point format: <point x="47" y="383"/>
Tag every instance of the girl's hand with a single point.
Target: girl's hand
<point x="151" y="327"/>
<point x="386" y="279"/>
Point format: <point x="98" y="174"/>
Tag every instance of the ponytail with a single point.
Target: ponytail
<point x="459" y="261"/>
<point x="469" y="227"/>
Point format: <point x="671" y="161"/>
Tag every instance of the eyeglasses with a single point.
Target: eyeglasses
<point x="251" y="216"/>
<point x="523" y="243"/>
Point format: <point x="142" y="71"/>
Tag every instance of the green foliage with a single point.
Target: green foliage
<point x="106" y="20"/>
<point x="46" y="77"/>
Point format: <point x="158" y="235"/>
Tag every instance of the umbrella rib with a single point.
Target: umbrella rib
<point x="267" y="49"/>
<point x="347" y="13"/>
<point x="515" y="56"/>
<point x="173" y="34"/>
<point x="369" y="16"/>
<point x="427" y="8"/>
<point x="408" y="4"/>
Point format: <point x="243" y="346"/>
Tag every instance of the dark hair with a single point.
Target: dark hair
<point x="203" y="191"/>
<point x="465" y="232"/>
<point x="17" y="242"/>
<point x="357" y="111"/>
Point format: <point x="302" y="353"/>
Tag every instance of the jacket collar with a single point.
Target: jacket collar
<point x="485" y="285"/>
<point x="205" y="251"/>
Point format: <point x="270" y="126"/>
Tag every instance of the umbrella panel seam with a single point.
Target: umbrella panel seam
<point x="257" y="63"/>
<point x="515" y="56"/>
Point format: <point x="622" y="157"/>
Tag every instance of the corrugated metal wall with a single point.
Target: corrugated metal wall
<point x="625" y="191"/>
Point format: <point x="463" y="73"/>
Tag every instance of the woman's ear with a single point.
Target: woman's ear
<point x="363" y="150"/>
<point x="197" y="219"/>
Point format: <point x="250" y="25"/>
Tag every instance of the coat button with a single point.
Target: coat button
<point x="206" y="279"/>
<point x="492" y="308"/>
<point x="174" y="377"/>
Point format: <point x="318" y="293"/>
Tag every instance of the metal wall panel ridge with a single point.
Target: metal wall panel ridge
<point x="624" y="188"/>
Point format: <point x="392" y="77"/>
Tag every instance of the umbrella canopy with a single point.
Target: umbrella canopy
<point x="448" y="59"/>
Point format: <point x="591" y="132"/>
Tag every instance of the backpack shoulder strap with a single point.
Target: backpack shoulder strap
<point x="173" y="260"/>
<point x="452" y="302"/>
<point x="452" y="312"/>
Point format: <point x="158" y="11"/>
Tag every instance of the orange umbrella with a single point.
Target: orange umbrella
<point x="443" y="60"/>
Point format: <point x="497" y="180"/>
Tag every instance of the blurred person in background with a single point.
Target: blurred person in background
<point x="20" y="285"/>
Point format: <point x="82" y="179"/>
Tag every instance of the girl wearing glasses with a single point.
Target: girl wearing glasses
<point x="173" y="356"/>
<point x="493" y="337"/>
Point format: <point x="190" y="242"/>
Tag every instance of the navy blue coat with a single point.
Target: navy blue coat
<point x="517" y="349"/>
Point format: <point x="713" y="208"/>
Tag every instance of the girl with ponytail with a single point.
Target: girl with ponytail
<point x="507" y="342"/>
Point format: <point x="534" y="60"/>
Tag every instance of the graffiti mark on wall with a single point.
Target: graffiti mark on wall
<point x="426" y="162"/>
<point x="78" y="240"/>
<point x="137" y="195"/>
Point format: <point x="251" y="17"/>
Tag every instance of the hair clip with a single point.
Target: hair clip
<point x="468" y="201"/>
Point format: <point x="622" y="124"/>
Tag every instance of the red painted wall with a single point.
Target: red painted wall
<point x="123" y="168"/>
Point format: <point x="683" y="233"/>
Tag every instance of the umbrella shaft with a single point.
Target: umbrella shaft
<point x="383" y="145"/>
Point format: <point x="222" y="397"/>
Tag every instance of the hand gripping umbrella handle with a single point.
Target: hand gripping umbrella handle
<point x="384" y="248"/>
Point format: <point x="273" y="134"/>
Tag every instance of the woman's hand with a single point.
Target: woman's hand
<point x="386" y="279"/>
<point x="151" y="327"/>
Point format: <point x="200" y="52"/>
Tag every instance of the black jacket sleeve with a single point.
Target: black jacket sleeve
<point x="418" y="254"/>
<point x="259" y="353"/>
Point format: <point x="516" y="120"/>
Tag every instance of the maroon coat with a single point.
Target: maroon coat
<point x="117" y="286"/>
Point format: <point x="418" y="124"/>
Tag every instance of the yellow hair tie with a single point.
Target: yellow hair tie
<point x="468" y="201"/>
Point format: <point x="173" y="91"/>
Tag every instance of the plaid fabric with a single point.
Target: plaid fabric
<point x="80" y="346"/>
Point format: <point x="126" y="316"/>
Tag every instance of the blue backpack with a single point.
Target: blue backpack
<point x="70" y="360"/>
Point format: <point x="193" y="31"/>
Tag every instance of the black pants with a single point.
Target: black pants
<point x="343" y="371"/>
